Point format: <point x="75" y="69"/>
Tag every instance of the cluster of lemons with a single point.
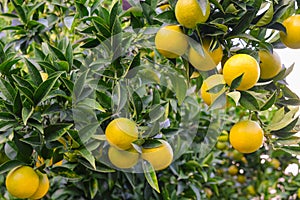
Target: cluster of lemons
<point x="24" y="182"/>
<point x="172" y="42"/>
<point x="121" y="133"/>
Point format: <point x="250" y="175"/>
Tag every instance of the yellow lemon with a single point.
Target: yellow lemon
<point x="240" y="64"/>
<point x="270" y="64"/>
<point x="43" y="186"/>
<point x="22" y="182"/>
<point x="209" y="96"/>
<point x="246" y="136"/>
<point x="160" y="157"/>
<point x="170" y="41"/>
<point x="121" y="132"/>
<point x="123" y="159"/>
<point x="291" y="39"/>
<point x="188" y="13"/>
<point x="209" y="60"/>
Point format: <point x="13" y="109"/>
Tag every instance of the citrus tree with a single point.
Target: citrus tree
<point x="147" y="99"/>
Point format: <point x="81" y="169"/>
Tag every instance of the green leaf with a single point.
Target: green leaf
<point x="270" y="102"/>
<point x="267" y="17"/>
<point x="5" y="116"/>
<point x="5" y="66"/>
<point x="23" y="82"/>
<point x="91" y="103"/>
<point x="150" y="175"/>
<point x="20" y="11"/>
<point x="114" y="15"/>
<point x="91" y="43"/>
<point x="235" y="96"/>
<point x="280" y="123"/>
<point x="34" y="72"/>
<point x="236" y="82"/>
<point x="219" y="102"/>
<point x="203" y="5"/>
<point x="288" y="141"/>
<point x="69" y="54"/>
<point x="86" y="154"/>
<point x="248" y="101"/>
<point x="278" y="116"/>
<point x="288" y="127"/>
<point x="151" y="143"/>
<point x="244" y="22"/>
<point x="88" y="131"/>
<point x="26" y="113"/>
<point x="55" y="131"/>
<point x="119" y="97"/>
<point x="68" y="174"/>
<point x="215" y="89"/>
<point x="27" y="92"/>
<point x="43" y="90"/>
<point x="17" y="106"/>
<point x="62" y="66"/>
<point x="179" y="86"/>
<point x="58" y="53"/>
<point x="7" y="90"/>
<point x="196" y="191"/>
<point x="295" y="150"/>
<point x="9" y="165"/>
<point x="166" y="17"/>
<point x="79" y="85"/>
<point x="81" y="9"/>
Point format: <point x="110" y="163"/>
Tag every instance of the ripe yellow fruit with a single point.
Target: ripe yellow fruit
<point x="240" y="64"/>
<point x="44" y="76"/>
<point x="43" y="186"/>
<point x="208" y="96"/>
<point x="188" y="13"/>
<point x="233" y="170"/>
<point x="270" y="64"/>
<point x="160" y="157"/>
<point x="246" y="136"/>
<point x="241" y="179"/>
<point x="121" y="132"/>
<point x="170" y="41"/>
<point x="251" y="190"/>
<point x="209" y="60"/>
<point x="275" y="163"/>
<point x="291" y="39"/>
<point x="22" y="182"/>
<point x="123" y="159"/>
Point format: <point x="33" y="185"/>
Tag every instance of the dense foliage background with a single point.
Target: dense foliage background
<point x="102" y="63"/>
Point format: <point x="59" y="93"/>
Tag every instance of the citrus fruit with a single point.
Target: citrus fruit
<point x="237" y="156"/>
<point x="221" y="145"/>
<point x="240" y="64"/>
<point x="223" y="137"/>
<point x="160" y="157"/>
<point x="246" y="136"/>
<point x="251" y="190"/>
<point x="43" y="186"/>
<point x="275" y="163"/>
<point x="209" y="60"/>
<point x="188" y="13"/>
<point x="121" y="158"/>
<point x="22" y="182"/>
<point x="170" y="41"/>
<point x="44" y="76"/>
<point x="270" y="64"/>
<point x="241" y="179"/>
<point x="291" y="39"/>
<point x="233" y="170"/>
<point x="121" y="132"/>
<point x="209" y="96"/>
